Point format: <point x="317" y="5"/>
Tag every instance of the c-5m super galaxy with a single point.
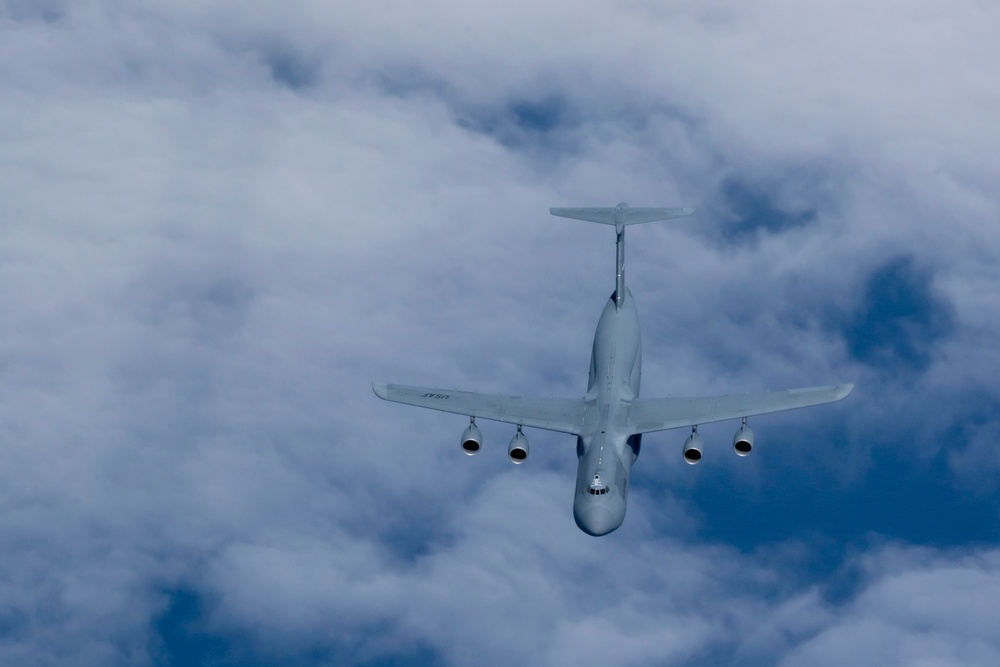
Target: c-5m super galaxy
<point x="610" y="419"/>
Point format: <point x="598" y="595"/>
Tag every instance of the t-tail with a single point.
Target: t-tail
<point x="620" y="216"/>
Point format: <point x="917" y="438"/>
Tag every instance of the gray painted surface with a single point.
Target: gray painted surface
<point x="610" y="419"/>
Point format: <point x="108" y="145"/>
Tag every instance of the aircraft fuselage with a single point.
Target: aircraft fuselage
<point x="610" y="419"/>
<point x="606" y="450"/>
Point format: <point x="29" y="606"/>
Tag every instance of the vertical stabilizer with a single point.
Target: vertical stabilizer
<point x="620" y="216"/>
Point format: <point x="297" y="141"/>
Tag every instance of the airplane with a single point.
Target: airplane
<point x="610" y="419"/>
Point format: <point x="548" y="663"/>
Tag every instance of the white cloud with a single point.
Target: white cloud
<point x="218" y="226"/>
<point x="921" y="609"/>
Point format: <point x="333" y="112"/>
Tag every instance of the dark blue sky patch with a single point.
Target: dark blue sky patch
<point x="544" y="123"/>
<point x="291" y="69"/>
<point x="753" y="209"/>
<point x="179" y="635"/>
<point x="524" y="123"/>
<point x="969" y="442"/>
<point x="421" y="656"/>
<point x="518" y="122"/>
<point x="900" y="498"/>
<point x="899" y="320"/>
<point x="541" y="116"/>
<point x="13" y="622"/>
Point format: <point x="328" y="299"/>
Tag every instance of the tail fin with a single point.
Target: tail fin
<point x="621" y="214"/>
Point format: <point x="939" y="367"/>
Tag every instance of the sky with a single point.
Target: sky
<point x="221" y="222"/>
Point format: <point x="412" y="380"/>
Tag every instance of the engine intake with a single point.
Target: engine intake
<point x="472" y="439"/>
<point x="517" y="450"/>
<point x="743" y="440"/>
<point x="692" y="447"/>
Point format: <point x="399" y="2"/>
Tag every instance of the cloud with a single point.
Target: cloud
<point x="930" y="610"/>
<point x="218" y="227"/>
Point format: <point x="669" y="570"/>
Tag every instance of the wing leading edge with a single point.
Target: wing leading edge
<point x="567" y="415"/>
<point x="564" y="415"/>
<point x="621" y="213"/>
<point x="659" y="414"/>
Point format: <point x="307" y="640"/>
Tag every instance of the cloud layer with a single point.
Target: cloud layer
<point x="219" y="225"/>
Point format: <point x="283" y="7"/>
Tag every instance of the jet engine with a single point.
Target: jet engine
<point x="472" y="439"/>
<point x="692" y="447"/>
<point x="743" y="440"/>
<point x="517" y="450"/>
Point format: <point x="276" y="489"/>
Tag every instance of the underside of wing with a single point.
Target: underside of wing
<point x="658" y="414"/>
<point x="564" y="415"/>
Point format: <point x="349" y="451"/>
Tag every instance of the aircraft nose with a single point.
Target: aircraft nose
<point x="596" y="520"/>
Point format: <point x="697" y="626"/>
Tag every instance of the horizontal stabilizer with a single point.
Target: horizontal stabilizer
<point x="621" y="214"/>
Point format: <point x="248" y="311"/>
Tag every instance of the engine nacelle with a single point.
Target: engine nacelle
<point x="517" y="450"/>
<point x="743" y="440"/>
<point x="692" y="448"/>
<point x="472" y="439"/>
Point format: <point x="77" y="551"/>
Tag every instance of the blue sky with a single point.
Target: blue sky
<point x="219" y="225"/>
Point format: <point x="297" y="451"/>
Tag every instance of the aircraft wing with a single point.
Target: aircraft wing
<point x="564" y="415"/>
<point x="659" y="414"/>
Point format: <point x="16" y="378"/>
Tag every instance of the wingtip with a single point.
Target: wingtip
<point x="843" y="390"/>
<point x="381" y="389"/>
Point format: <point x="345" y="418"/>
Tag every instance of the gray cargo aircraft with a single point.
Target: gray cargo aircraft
<point x="610" y="419"/>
